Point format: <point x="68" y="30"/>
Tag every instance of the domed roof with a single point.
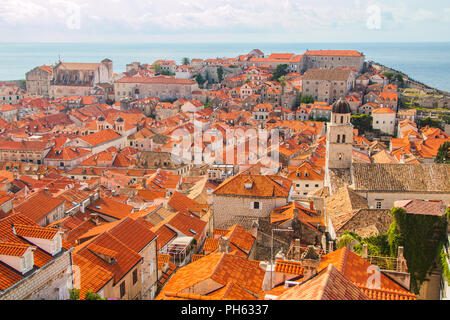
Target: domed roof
<point x="341" y="106"/>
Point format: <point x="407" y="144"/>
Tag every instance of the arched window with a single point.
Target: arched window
<point x="339" y="138"/>
<point x="342" y="119"/>
<point x="343" y="138"/>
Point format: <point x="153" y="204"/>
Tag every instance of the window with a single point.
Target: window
<point x="122" y="289"/>
<point x="256" y="205"/>
<point x="343" y="138"/>
<point x="317" y="185"/>
<point x="135" y="276"/>
<point x="307" y="185"/>
<point x="379" y="204"/>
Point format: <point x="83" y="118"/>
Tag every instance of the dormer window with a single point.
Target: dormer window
<point x="27" y="262"/>
<point x="248" y="184"/>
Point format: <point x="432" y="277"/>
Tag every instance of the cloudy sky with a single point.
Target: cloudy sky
<point x="224" y="20"/>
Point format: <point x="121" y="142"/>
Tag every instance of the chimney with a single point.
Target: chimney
<point x="280" y="256"/>
<point x="330" y="246"/>
<point x="224" y="245"/>
<point x="401" y="261"/>
<point x="365" y="254"/>
<point x="297" y="250"/>
<point x="267" y="284"/>
<point x="324" y="242"/>
<point x="254" y="229"/>
<point x="310" y="262"/>
<point x="311" y="205"/>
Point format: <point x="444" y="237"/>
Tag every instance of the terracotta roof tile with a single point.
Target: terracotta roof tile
<point x="330" y="284"/>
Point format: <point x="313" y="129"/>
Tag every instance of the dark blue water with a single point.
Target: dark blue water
<point x="425" y="62"/>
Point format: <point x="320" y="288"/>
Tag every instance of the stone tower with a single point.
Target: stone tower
<point x="339" y="137"/>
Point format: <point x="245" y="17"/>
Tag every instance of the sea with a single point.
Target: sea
<point x="428" y="63"/>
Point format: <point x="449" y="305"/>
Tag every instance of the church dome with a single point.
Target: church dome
<point x="341" y="106"/>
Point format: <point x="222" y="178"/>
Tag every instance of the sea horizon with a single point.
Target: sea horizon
<point x="427" y="62"/>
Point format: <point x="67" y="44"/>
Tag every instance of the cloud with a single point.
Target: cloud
<point x="141" y="19"/>
<point x="185" y="15"/>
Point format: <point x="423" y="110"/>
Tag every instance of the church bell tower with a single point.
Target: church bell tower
<point x="339" y="137"/>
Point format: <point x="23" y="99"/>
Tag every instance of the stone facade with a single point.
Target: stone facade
<point x="78" y="79"/>
<point x="38" y="81"/>
<point x="339" y="142"/>
<point x="160" y="87"/>
<point x="385" y="122"/>
<point x="385" y="200"/>
<point x="330" y="60"/>
<point x="50" y="282"/>
<point x="328" y="85"/>
<point x="229" y="210"/>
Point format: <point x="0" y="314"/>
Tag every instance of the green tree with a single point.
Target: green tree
<point x="446" y="119"/>
<point x="156" y="67"/>
<point x="434" y="123"/>
<point x="423" y="237"/>
<point x="200" y="80"/>
<point x="74" y="294"/>
<point x="282" y="80"/>
<point x="220" y="74"/>
<point x="92" y="296"/>
<point x="281" y="70"/>
<point x="307" y="99"/>
<point x="186" y="61"/>
<point x="398" y="77"/>
<point x="390" y="75"/>
<point x="362" y="122"/>
<point x="443" y="155"/>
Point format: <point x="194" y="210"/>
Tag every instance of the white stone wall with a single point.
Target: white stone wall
<point x="384" y="122"/>
<point x="48" y="283"/>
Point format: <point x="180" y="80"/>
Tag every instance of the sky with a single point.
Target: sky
<point x="234" y="21"/>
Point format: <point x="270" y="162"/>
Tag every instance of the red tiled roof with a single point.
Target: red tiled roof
<point x="29" y="231"/>
<point x="111" y="208"/>
<point x="38" y="206"/>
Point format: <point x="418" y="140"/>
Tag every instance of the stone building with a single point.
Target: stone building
<point x="340" y="137"/>
<point x="120" y="263"/>
<point x="330" y="59"/>
<point x="24" y="151"/>
<point x="328" y="85"/>
<point x="11" y="94"/>
<point x="163" y="87"/>
<point x="33" y="263"/>
<point x="78" y="79"/>
<point x="379" y="184"/>
<point x="384" y="119"/>
<point x="38" y="80"/>
<point x="245" y="198"/>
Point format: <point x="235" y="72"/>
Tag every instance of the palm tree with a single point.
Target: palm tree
<point x="282" y="80"/>
<point x="186" y="61"/>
